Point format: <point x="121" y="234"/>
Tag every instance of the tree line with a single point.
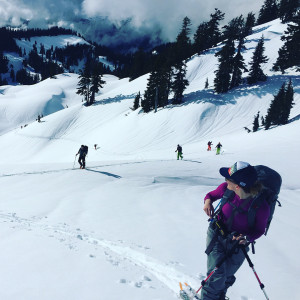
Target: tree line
<point x="279" y="110"/>
<point x="207" y="35"/>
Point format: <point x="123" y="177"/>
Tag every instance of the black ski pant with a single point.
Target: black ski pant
<point x="216" y="286"/>
<point x="81" y="160"/>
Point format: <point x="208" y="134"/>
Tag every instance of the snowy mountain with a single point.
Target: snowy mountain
<point x="131" y="225"/>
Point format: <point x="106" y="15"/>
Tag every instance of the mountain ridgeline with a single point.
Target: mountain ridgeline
<point x="167" y="63"/>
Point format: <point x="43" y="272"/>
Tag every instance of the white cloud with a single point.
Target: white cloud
<point x="146" y="16"/>
<point x="11" y="12"/>
<point x="167" y="13"/>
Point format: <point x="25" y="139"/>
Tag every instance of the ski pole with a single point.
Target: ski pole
<point x="236" y="244"/>
<point x="74" y="161"/>
<point x="252" y="267"/>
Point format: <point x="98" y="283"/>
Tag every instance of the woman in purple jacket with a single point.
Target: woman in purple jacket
<point x="241" y="178"/>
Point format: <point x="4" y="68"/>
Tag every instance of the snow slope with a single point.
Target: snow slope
<point x="131" y="225"/>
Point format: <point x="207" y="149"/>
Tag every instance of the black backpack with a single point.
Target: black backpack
<point x="271" y="182"/>
<point x="85" y="150"/>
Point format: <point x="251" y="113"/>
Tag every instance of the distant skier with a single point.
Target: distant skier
<point x="83" y="151"/>
<point x="179" y="152"/>
<point x="219" y="146"/>
<point x="209" y="144"/>
<point x="95" y="146"/>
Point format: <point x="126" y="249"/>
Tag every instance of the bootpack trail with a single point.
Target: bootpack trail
<point x="165" y="273"/>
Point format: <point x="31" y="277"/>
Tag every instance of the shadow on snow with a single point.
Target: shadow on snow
<point x="105" y="173"/>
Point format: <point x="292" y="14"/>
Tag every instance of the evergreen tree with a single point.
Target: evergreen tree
<point x="23" y="77"/>
<point x="3" y="81"/>
<point x="3" y="63"/>
<point x="90" y="80"/>
<point x="288" y="9"/>
<point x="34" y="60"/>
<point x="96" y="81"/>
<point x="139" y="64"/>
<point x="164" y="85"/>
<point x="287" y="104"/>
<point x="288" y="54"/>
<point x="200" y="38"/>
<point x="42" y="51"/>
<point x="275" y="110"/>
<point x="234" y="29"/>
<point x="238" y="66"/>
<point x="183" y="42"/>
<point x="84" y="84"/>
<point x="268" y="12"/>
<point x="213" y="31"/>
<point x="180" y="82"/>
<point x="206" y="84"/>
<point x="256" y="123"/>
<point x="250" y="22"/>
<point x="222" y="79"/>
<point x="158" y="89"/>
<point x="148" y="103"/>
<point x="256" y="73"/>
<point x="283" y="60"/>
<point x="262" y="119"/>
<point x="12" y="73"/>
<point x="136" y="103"/>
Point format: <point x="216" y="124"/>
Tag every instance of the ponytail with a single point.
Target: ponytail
<point x="254" y="190"/>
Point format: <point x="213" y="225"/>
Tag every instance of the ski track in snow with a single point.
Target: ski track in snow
<point x="90" y="168"/>
<point x="166" y="274"/>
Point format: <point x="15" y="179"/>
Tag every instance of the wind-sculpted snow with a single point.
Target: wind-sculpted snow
<point x="54" y="105"/>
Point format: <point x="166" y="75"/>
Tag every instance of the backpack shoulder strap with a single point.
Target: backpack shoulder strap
<point x="265" y="195"/>
<point x="255" y="205"/>
<point x="227" y="197"/>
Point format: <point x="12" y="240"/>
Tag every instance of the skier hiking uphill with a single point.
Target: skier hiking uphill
<point x="179" y="152"/>
<point x="219" y="146"/>
<point x="244" y="215"/>
<point x="209" y="144"/>
<point x="83" y="151"/>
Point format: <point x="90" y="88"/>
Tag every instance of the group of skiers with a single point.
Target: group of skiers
<point x="83" y="151"/>
<point x="219" y="146"/>
<point x="244" y="215"/>
<point x="209" y="144"/>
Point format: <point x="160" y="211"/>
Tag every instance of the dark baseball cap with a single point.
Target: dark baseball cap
<point x="242" y="173"/>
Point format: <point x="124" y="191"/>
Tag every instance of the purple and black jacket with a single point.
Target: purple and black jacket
<point x="240" y="220"/>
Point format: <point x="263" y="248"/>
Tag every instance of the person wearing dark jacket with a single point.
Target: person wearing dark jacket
<point x="83" y="150"/>
<point x="209" y="144"/>
<point x="219" y="146"/>
<point x="179" y="152"/>
<point x="241" y="179"/>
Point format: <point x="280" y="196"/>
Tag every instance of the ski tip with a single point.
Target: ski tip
<point x="180" y="285"/>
